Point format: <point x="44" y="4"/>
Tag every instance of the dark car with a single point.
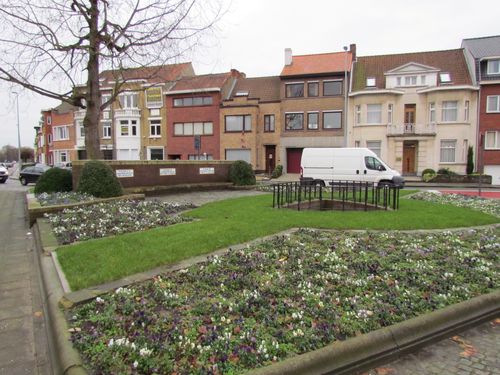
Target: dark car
<point x="32" y="174"/>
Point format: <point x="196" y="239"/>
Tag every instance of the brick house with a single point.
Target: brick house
<point x="193" y="106"/>
<point x="313" y="103"/>
<point x="415" y="110"/>
<point x="250" y="120"/>
<point x="483" y="56"/>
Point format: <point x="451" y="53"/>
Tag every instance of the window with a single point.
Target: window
<point x="128" y="128"/>
<point x="332" y="120"/>
<point x="128" y="100"/>
<point x="81" y="129"/>
<point x="373" y="164"/>
<point x="104" y="99"/>
<point x="331" y="88"/>
<point x="312" y="120"/>
<point x="193" y="101"/>
<point x="193" y="128"/>
<point x="154" y="97"/>
<point x="493" y="104"/>
<point x="49" y="120"/>
<point x="357" y="114"/>
<point x="155" y="153"/>
<point x="432" y="113"/>
<point x="492" y="140"/>
<point x="155" y="128"/>
<point x="49" y="139"/>
<point x="445" y="77"/>
<point x="370" y="82"/>
<point x="312" y="88"/>
<point x="422" y="80"/>
<point x="238" y="154"/>
<point x="449" y="111"/>
<point x="374" y="114"/>
<point x="106" y="129"/>
<point x="61" y="156"/>
<point x="375" y="146"/>
<point x="398" y="80"/>
<point x="203" y="156"/>
<point x="466" y="111"/>
<point x="268" y="123"/>
<point x="493" y="67"/>
<point x="60" y="133"/>
<point x="389" y="113"/>
<point x="240" y="123"/>
<point x="294" y="90"/>
<point x="447" y="151"/>
<point x="411" y="81"/>
<point x="294" y="121"/>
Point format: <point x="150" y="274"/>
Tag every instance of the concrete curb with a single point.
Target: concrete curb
<point x="345" y="357"/>
<point x="68" y="361"/>
<point x="368" y="350"/>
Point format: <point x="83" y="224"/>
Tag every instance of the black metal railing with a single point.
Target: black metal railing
<point x="337" y="195"/>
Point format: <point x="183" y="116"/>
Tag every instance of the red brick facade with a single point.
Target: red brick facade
<point x="489" y="122"/>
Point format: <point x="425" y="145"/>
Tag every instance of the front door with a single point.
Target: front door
<point x="270" y="158"/>
<point x="293" y="156"/>
<point x="409" y="158"/>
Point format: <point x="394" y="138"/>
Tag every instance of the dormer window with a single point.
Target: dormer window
<point x="370" y="82"/>
<point x="411" y="81"/>
<point x="493" y="66"/>
<point x="242" y="93"/>
<point x="445" y="77"/>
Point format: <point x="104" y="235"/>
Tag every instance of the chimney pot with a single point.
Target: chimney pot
<point x="288" y="56"/>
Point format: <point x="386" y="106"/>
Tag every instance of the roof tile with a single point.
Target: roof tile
<point x="318" y="64"/>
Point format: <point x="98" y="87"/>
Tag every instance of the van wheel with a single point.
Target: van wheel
<point x="383" y="184"/>
<point x="320" y="183"/>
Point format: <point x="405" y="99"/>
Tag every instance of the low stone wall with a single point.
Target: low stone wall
<point x="134" y="174"/>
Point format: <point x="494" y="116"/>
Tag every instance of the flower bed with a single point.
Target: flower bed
<point x="280" y="298"/>
<point x="62" y="198"/>
<point x="111" y="218"/>
<point x="490" y="206"/>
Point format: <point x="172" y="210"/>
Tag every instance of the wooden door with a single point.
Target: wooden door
<point x="293" y="156"/>
<point x="409" y="158"/>
<point x="410" y="114"/>
<point x="270" y="158"/>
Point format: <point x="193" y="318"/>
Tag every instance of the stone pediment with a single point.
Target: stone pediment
<point x="412" y="68"/>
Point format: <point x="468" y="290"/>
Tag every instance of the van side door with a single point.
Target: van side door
<point x="374" y="170"/>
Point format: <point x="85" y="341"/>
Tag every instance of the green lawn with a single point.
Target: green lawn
<point x="229" y="222"/>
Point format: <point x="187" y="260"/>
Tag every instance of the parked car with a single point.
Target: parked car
<point x="32" y="174"/>
<point x="65" y="165"/>
<point x="4" y="174"/>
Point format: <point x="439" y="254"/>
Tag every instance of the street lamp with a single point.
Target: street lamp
<point x="345" y="97"/>
<point x="18" y="134"/>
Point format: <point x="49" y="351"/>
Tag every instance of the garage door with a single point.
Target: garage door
<point x="238" y="154"/>
<point x="293" y="156"/>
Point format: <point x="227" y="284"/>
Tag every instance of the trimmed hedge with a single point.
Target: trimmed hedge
<point x="98" y="179"/>
<point x="54" y="180"/>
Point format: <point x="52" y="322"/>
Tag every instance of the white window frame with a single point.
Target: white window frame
<point x="375" y="146"/>
<point x="447" y="111"/>
<point x="495" y="143"/>
<point x="155" y="127"/>
<point x="490" y="66"/>
<point x="371" y="82"/>
<point x="129" y="100"/>
<point x="432" y="113"/>
<point x="410" y="81"/>
<point x="357" y="114"/>
<point x="466" y="110"/>
<point x="106" y="129"/>
<point x="496" y="99"/>
<point x="390" y="111"/>
<point x="188" y="129"/>
<point x="371" y="112"/>
<point x="61" y="133"/>
<point x="130" y="124"/>
<point x="447" y="145"/>
<point x="445" y="77"/>
<point x="61" y="156"/>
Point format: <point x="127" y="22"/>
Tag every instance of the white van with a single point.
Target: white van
<point x="323" y="165"/>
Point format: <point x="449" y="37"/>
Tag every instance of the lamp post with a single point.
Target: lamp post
<point x="18" y="133"/>
<point x="345" y="97"/>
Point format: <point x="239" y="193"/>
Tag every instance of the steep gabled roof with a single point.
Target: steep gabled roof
<point x="161" y="73"/>
<point x="323" y="63"/>
<point x="488" y="46"/>
<point x="201" y="82"/>
<point x="266" y="89"/>
<point x="450" y="61"/>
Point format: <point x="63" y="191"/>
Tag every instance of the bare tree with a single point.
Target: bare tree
<point x="69" y="42"/>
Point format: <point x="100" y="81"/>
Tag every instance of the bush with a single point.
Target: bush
<point x="241" y="173"/>
<point x="99" y="180"/>
<point x="470" y="161"/>
<point x="278" y="171"/>
<point x="54" y="180"/>
<point x="446" y="171"/>
<point x="428" y="171"/>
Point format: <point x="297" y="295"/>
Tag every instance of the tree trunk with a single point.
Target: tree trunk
<point x="93" y="95"/>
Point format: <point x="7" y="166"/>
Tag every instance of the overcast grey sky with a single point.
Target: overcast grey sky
<point x="253" y="34"/>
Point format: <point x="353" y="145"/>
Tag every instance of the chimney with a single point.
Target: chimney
<point x="288" y="56"/>
<point x="352" y="49"/>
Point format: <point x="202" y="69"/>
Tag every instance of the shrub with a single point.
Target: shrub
<point x="99" y="180"/>
<point x="428" y="171"/>
<point x="446" y="171"/>
<point x="278" y="171"/>
<point x="241" y="173"/>
<point x="54" y="180"/>
<point x="470" y="160"/>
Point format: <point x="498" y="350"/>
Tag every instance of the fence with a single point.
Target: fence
<point x="338" y="195"/>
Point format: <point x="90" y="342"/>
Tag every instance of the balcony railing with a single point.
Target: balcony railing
<point x="127" y="113"/>
<point x="411" y="129"/>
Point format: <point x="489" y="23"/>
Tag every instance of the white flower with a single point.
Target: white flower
<point x="135" y="364"/>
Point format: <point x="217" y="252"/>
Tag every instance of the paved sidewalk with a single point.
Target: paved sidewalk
<point x="473" y="352"/>
<point x="23" y="338"/>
